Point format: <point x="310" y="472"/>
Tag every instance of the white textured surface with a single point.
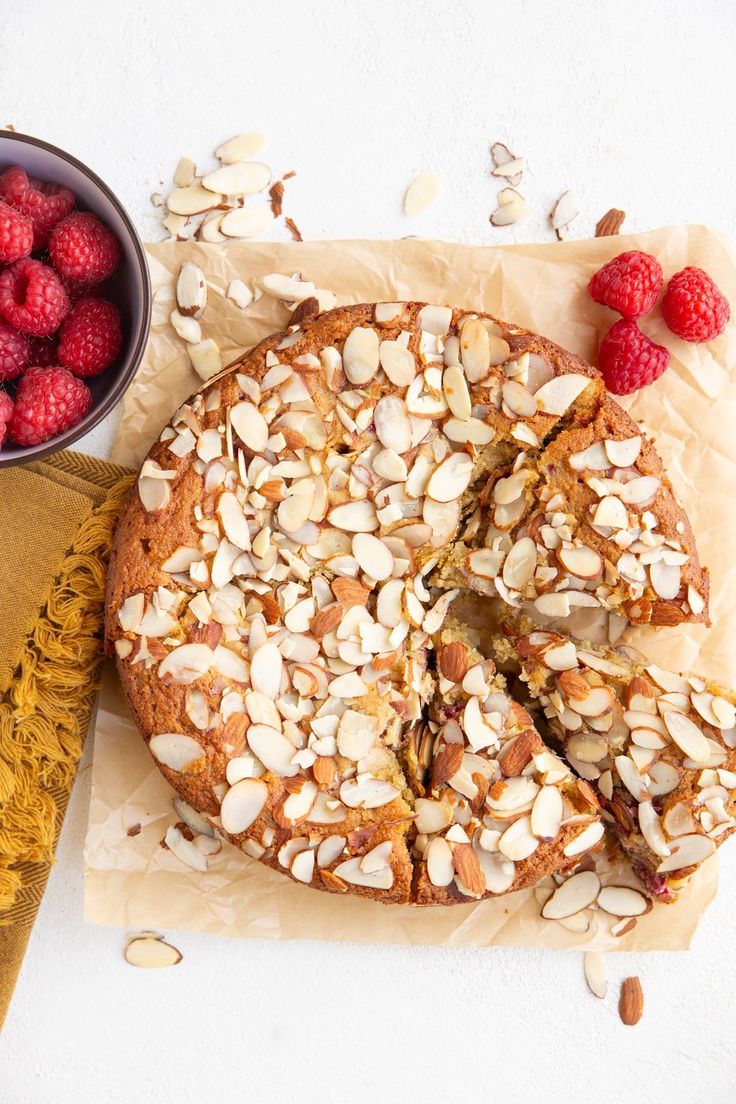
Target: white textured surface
<point x="628" y="103"/>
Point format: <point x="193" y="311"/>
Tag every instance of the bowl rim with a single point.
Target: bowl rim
<point x="66" y="439"/>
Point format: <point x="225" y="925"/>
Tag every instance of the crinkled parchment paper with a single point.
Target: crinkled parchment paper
<point x="691" y="412"/>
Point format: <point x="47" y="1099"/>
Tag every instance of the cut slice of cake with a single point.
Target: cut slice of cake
<point x="497" y="810"/>
<point x="658" y="748"/>
<point x="590" y="523"/>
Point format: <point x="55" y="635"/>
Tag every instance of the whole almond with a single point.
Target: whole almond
<point x="468" y="869"/>
<point x="520" y="753"/>
<point x="631" y="1001"/>
<point x="273" y="490"/>
<point x="446" y="763"/>
<point x="573" y="685"/>
<point x="208" y="634"/>
<point x="327" y="620"/>
<point x="234" y="732"/>
<point x="610" y="223"/>
<point x="271" y="608"/>
<point x="349" y="592"/>
<point x="358" y="838"/>
<point x="453" y="661"/>
<point x="306" y="310"/>
<point x="333" y="882"/>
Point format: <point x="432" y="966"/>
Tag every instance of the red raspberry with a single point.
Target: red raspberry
<point x="15" y="353"/>
<point x="16" y="234"/>
<point x="43" y="204"/>
<point x="32" y="298"/>
<point x="6" y="413"/>
<point x="83" y="248"/>
<point x="693" y="307"/>
<point x="628" y="360"/>
<point x="49" y="400"/>
<point x="43" y="352"/>
<point x="91" y="337"/>
<point x="629" y="284"/>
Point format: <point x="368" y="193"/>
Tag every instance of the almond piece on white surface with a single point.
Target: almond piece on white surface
<point x="565" y="211"/>
<point x="239" y="178"/>
<point x="502" y="156"/>
<point x="151" y="953"/>
<point x="246" y="222"/>
<point x="240" y="148"/>
<point x="512" y="208"/>
<point x="185" y="172"/>
<point x="194" y="200"/>
<point x="421" y="193"/>
<point x="595" y="973"/>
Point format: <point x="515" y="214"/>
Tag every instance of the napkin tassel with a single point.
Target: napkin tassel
<point x="45" y="712"/>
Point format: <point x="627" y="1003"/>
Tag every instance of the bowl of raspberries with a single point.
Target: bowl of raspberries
<point x="75" y="299"/>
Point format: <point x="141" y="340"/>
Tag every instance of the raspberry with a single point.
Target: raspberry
<point x="83" y="248"/>
<point x="629" y="284"/>
<point x="32" y="298"/>
<point x="16" y="234"/>
<point x="91" y="337"/>
<point x="43" y="204"/>
<point x="693" y="307"/>
<point x="6" y="413"/>
<point x="49" y="400"/>
<point x="628" y="360"/>
<point x="15" y="353"/>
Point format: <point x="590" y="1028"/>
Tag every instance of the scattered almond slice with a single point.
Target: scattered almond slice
<point x="240" y="293"/>
<point x="246" y="222"/>
<point x="185" y="172"/>
<point x="504" y="158"/>
<point x="206" y="358"/>
<point x="240" y="148"/>
<point x="191" y="290"/>
<point x="157" y="199"/>
<point x="151" y="952"/>
<point x="239" y="178"/>
<point x="421" y="193"/>
<point x="512" y="208"/>
<point x="176" y="225"/>
<point x="193" y="200"/>
<point x="188" y="329"/>
<point x="595" y="973"/>
<point x="209" y="229"/>
<point x="564" y="212"/>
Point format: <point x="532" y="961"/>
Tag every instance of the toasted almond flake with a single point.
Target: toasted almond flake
<point x="556" y="396"/>
<point x="511" y="170"/>
<point x="575" y="894"/>
<point x="421" y="193"/>
<point x="440" y="869"/>
<point x="512" y="208"/>
<point x="583" y="562"/>
<point x="392" y="422"/>
<point x="242" y="805"/>
<point x="354" y="517"/>
<point x="250" y="425"/>
<point x="451" y="478"/>
<point x="397" y="362"/>
<point x="455" y="386"/>
<point x="151" y="953"/>
<point x="518" y="399"/>
<point x="186" y="663"/>
<point x="185" y="850"/>
<point x="687" y="851"/>
<point x="547" y="813"/>
<point x="209" y="229"/>
<point x="373" y="556"/>
<point x="565" y="211"/>
<point x="518" y="842"/>
<point x="588" y="838"/>
<point x="176" y="751"/>
<point x="266" y="670"/>
<point x="193" y="200"/>
<point x="475" y="350"/>
<point x="371" y="793"/>
<point x="192" y="818"/>
<point x="595" y="973"/>
<point x="246" y="222"/>
<point x="611" y="512"/>
<point x="624" y="453"/>
<point x="351" y="872"/>
<point x="686" y="734"/>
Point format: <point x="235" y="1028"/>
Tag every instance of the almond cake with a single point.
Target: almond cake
<point x="279" y="590"/>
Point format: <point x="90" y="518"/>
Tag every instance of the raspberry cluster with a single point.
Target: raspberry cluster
<point x="55" y="328"/>
<point x="693" y="308"/>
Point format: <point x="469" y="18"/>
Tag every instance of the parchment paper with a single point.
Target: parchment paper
<point x="691" y="412"/>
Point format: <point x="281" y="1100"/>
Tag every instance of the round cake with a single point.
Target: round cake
<point x="281" y="587"/>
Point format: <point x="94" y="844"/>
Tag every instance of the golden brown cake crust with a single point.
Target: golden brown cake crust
<point x="201" y="723"/>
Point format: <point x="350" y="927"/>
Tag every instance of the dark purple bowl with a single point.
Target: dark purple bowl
<point x="130" y="288"/>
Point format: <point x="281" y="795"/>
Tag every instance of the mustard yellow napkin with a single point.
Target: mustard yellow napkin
<point x="56" y="523"/>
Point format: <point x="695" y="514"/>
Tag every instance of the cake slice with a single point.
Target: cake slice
<point x="496" y="809"/>
<point x="658" y="748"/>
<point x="590" y="523"/>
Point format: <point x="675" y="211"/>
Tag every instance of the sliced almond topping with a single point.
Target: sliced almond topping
<point x="369" y="793"/>
<point x="475" y="350"/>
<point x="547" y="813"/>
<point x="250" y="425"/>
<point x="587" y="839"/>
<point x="623" y="454"/>
<point x="583" y="562"/>
<point x="520" y="564"/>
<point x="373" y="557"/>
<point x="451" y="478"/>
<point x="361" y="355"/>
<point x="176" y="751"/>
<point x="185" y="850"/>
<point x="440" y="867"/>
<point x="392" y="422"/>
<point x="686" y="734"/>
<point x="512" y="208"/>
<point x="687" y="851"/>
<point x="557" y="396"/>
<point x="455" y="386"/>
<point x="397" y="362"/>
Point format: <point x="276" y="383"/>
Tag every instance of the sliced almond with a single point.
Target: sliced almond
<point x="206" y="358"/>
<point x="191" y="290"/>
<point x="575" y="894"/>
<point x="622" y="901"/>
<point x="188" y="329"/>
<point x="238" y="178"/>
<point x="512" y="208"/>
<point x="185" y="172"/>
<point x="250" y="425"/>
<point x="686" y="734"/>
<point x="558" y="395"/>
<point x="242" y="805"/>
<point x="185" y="850"/>
<point x="565" y="211"/>
<point x="421" y="193"/>
<point x="595" y="973"/>
<point x="193" y="200"/>
<point x="687" y="851"/>
<point x="151" y="953"/>
<point x="246" y="222"/>
<point x="361" y="354"/>
<point x="240" y="148"/>
<point x="240" y="294"/>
